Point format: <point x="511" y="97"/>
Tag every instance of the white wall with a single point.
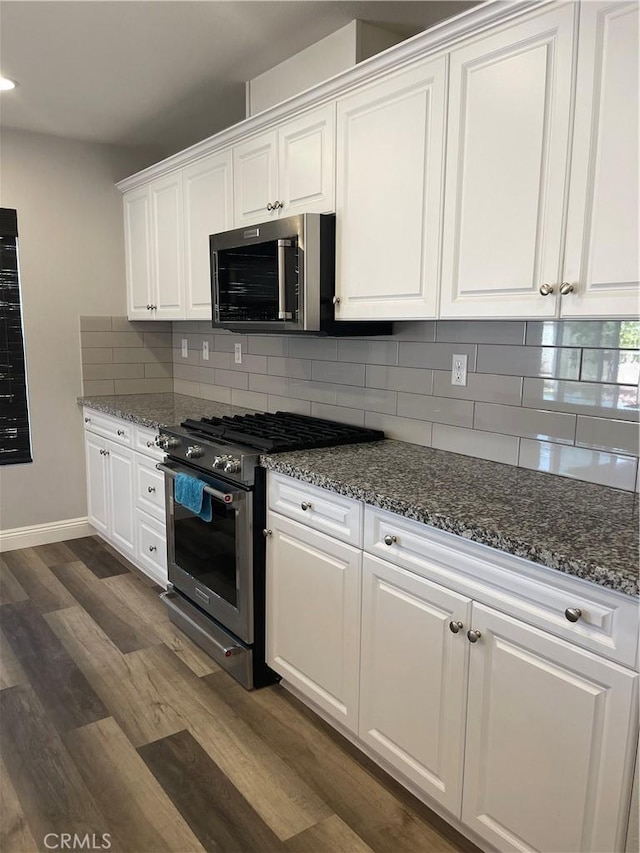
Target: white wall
<point x="71" y="252"/>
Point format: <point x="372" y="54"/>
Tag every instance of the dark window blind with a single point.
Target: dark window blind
<point x="15" y="441"/>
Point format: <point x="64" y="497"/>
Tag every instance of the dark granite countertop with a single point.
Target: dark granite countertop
<point x="578" y="528"/>
<point x="159" y="410"/>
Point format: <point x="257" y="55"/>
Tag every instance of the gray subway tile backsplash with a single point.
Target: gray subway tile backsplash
<point x="572" y="382"/>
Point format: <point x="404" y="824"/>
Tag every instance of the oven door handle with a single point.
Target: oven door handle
<point x="223" y="497"/>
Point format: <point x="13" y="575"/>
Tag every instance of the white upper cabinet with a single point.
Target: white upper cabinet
<point x="137" y="246"/>
<point x="288" y="170"/>
<point x="167" y="248"/>
<point x="390" y="141"/>
<point x="208" y="209"/>
<point x="601" y="260"/>
<point x="508" y="135"/>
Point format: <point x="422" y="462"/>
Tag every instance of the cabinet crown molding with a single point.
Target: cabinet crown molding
<point x="436" y="39"/>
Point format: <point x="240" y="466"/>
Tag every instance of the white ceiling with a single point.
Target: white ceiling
<point x="164" y="73"/>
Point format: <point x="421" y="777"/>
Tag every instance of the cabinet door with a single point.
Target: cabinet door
<point x="137" y="248"/>
<point x="390" y="139"/>
<point x="97" y="493"/>
<point x="255" y="179"/>
<point x="167" y="242"/>
<point x="413" y="677"/>
<point x="313" y="616"/>
<point x="151" y="547"/>
<point x="306" y="163"/>
<point x="601" y="260"/>
<point x="121" y="498"/>
<point x="208" y="209"/>
<point x="549" y="749"/>
<point x="507" y="141"/>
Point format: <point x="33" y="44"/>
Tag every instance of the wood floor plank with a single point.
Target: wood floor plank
<point x="127" y="792"/>
<point x="35" y="577"/>
<point x="53" y="796"/>
<point x="379" y="812"/>
<point x="275" y="790"/>
<point x="96" y="558"/>
<point x="55" y="553"/>
<point x="64" y="691"/>
<point x="122" y="624"/>
<point x="139" y="597"/>
<point x="11" y="673"/>
<point x="15" y="835"/>
<point x="10" y="589"/>
<point x="331" y="835"/>
<point x="198" y="661"/>
<point x="126" y="683"/>
<point x="216" y="811"/>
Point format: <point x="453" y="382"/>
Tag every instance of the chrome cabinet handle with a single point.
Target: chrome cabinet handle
<point x="266" y="532"/>
<point x="120" y="432"/>
<point x="87" y="420"/>
<point x="573" y="613"/>
<point x="151" y="489"/>
<point x="152" y="548"/>
<point x="546" y="289"/>
<point x="473" y="636"/>
<point x="454" y="627"/>
<point x="305" y="505"/>
<point x="389" y="540"/>
<point x="566" y="288"/>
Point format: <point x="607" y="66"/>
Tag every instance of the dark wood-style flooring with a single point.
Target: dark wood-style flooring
<point x="112" y="721"/>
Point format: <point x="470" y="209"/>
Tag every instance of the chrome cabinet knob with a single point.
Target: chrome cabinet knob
<point x="546" y="289"/>
<point x="151" y="444"/>
<point x="152" y="548"/>
<point x="573" y="613"/>
<point x="473" y="636"/>
<point x="151" y="489"/>
<point x="454" y="627"/>
<point x="194" y="452"/>
<point x="266" y="532"/>
<point x="269" y="206"/>
<point x="336" y="300"/>
<point x="389" y="539"/>
<point x="277" y="205"/>
<point x="305" y="505"/>
<point x="120" y="432"/>
<point x="87" y="420"/>
<point x="566" y="288"/>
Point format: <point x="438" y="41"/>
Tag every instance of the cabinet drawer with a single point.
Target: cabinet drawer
<point x="317" y="508"/>
<point x="151" y="547"/>
<point x="113" y="428"/>
<point x="149" y="488"/>
<point x="607" y="623"/>
<point x="144" y="441"/>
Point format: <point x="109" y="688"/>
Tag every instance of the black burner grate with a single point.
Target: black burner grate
<point x="282" y="431"/>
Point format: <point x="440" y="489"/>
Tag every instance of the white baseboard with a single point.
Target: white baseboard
<point x="43" y="534"/>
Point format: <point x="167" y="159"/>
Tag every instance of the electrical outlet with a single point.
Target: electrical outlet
<point x="238" y="353"/>
<point x="185" y="348"/>
<point x="205" y="350"/>
<point x="459" y="370"/>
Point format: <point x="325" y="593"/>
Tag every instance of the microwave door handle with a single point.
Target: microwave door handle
<point x="283" y="314"/>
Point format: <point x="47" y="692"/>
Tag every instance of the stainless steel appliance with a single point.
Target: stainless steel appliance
<point x="217" y="567"/>
<point x="280" y="277"/>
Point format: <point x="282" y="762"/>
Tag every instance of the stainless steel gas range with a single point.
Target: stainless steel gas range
<point x="217" y="566"/>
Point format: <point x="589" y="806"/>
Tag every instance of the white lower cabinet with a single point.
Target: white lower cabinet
<point x="475" y="687"/>
<point x="413" y="681"/>
<point x="313" y="615"/>
<point x="125" y="491"/>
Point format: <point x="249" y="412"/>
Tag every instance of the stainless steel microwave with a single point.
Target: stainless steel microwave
<point x="279" y="277"/>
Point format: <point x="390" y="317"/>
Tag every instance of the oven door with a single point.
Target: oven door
<point x="211" y="562"/>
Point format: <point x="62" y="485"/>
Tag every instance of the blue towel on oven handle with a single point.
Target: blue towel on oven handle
<point x="190" y="493"/>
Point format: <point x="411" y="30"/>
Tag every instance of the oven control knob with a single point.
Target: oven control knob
<point x="167" y="442"/>
<point x="219" y="462"/>
<point x="232" y="466"/>
<point x="194" y="452"/>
